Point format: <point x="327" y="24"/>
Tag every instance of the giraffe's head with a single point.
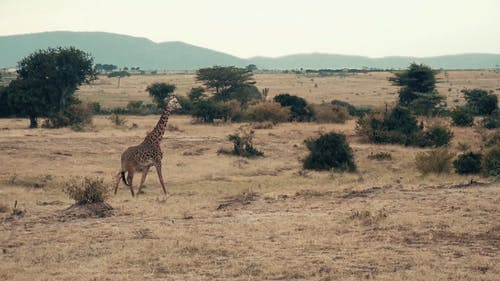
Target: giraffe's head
<point x="173" y="103"/>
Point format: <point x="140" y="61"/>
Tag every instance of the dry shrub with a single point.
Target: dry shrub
<point x="233" y="109"/>
<point x="39" y="181"/>
<point x="436" y="161"/>
<point x="328" y="113"/>
<point x="87" y="190"/>
<point x="243" y="143"/>
<point x="380" y="156"/>
<point x="369" y="218"/>
<point x="490" y="163"/>
<point x="117" y="120"/>
<point x="173" y="128"/>
<point x="262" y="125"/>
<point x="268" y="111"/>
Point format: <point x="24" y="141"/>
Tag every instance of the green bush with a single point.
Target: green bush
<point x="327" y="113"/>
<point x="438" y="161"/>
<point x="329" y="152"/>
<point x="208" y="110"/>
<point x="491" y="121"/>
<point x="462" y="117"/>
<point x="399" y="126"/>
<point x="480" y="102"/>
<point x="490" y="164"/>
<point x="268" y="111"/>
<point x="298" y="107"/>
<point x="436" y="136"/>
<point x="87" y="190"/>
<point x="468" y="163"/>
<point x="186" y="105"/>
<point x="77" y="116"/>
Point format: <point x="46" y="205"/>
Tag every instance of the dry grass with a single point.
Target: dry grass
<point x="385" y="222"/>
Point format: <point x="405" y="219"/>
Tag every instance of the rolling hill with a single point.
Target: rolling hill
<point x="124" y="50"/>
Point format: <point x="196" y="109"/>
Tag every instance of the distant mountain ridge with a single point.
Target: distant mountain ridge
<point x="129" y="51"/>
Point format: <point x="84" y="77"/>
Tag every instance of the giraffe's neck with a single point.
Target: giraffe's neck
<point x="156" y="135"/>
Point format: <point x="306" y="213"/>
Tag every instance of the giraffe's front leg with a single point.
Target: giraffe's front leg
<point x="143" y="178"/>
<point x="160" y="177"/>
<point x="130" y="179"/>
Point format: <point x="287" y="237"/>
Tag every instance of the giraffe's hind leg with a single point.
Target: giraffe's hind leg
<point x="160" y="177"/>
<point x="143" y="178"/>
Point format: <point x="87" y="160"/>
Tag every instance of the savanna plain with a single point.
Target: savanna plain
<point x="232" y="218"/>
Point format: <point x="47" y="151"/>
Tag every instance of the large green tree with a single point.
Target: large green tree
<point x="224" y="79"/>
<point x="418" y="89"/>
<point x="47" y="81"/>
<point x="159" y="92"/>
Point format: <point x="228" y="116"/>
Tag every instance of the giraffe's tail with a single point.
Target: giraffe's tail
<point x="122" y="173"/>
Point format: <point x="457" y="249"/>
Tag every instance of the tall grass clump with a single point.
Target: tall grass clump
<point x="436" y="161"/>
<point x="327" y="113"/>
<point x="490" y="164"/>
<point x="329" y="152"/>
<point x="268" y="111"/>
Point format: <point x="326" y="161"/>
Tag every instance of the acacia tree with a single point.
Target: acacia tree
<point x="47" y="80"/>
<point x="223" y="79"/>
<point x="418" y="89"/>
<point x="160" y="91"/>
<point x="119" y="74"/>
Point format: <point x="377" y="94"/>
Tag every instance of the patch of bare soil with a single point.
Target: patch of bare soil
<point x="92" y="210"/>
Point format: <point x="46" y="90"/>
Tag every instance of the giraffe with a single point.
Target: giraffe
<point x="147" y="154"/>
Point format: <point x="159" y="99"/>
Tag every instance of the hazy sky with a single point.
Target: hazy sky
<point x="276" y="27"/>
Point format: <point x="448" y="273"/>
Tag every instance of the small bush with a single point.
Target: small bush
<point x="329" y="152"/>
<point x="491" y="121"/>
<point x="436" y="161"/>
<point x="461" y="117"/>
<point x="481" y="102"/>
<point x="233" y="110"/>
<point x="268" y="111"/>
<point x="117" y="120"/>
<point x="353" y="111"/>
<point x="263" y="125"/>
<point x="298" y="107"/>
<point x="435" y="136"/>
<point x="490" y="164"/>
<point x="87" y="190"/>
<point x="380" y="156"/>
<point x="77" y="116"/>
<point x="493" y="139"/>
<point x="242" y="141"/>
<point x="468" y="163"/>
<point x="330" y="114"/>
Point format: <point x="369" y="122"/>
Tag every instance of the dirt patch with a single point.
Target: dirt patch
<point x="93" y="210"/>
<point x="242" y="199"/>
<point x="364" y="193"/>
